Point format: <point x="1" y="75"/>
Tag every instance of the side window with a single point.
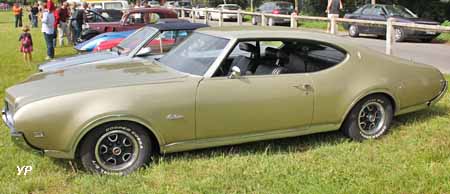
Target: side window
<point x="113" y="5"/>
<point x="96" y="5"/>
<point x="275" y="57"/>
<point x="378" y="11"/>
<point x="135" y="18"/>
<point x="367" y="11"/>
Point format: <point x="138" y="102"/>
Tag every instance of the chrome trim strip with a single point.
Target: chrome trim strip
<point x="7" y="120"/>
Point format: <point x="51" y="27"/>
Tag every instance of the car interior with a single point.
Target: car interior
<point x="274" y="57"/>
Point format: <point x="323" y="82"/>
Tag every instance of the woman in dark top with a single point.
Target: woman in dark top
<point x="333" y="8"/>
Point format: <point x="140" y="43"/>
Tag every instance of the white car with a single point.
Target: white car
<point x="224" y="8"/>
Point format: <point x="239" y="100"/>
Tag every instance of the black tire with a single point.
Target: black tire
<point x="399" y="35"/>
<point x="353" y="31"/>
<point x="374" y="109"/>
<point x="254" y="21"/>
<point x="427" y="40"/>
<point x="116" y="148"/>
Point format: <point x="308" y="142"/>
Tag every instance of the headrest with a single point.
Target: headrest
<point x="247" y="47"/>
<point x="271" y="52"/>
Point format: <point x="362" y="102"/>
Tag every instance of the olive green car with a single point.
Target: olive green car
<point x="221" y="86"/>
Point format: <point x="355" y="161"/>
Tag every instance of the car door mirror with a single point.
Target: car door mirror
<point x="235" y="73"/>
<point x="144" y="52"/>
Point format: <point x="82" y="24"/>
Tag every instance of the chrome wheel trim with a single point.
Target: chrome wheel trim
<point x="352" y="30"/>
<point x="371" y="119"/>
<point x="122" y="150"/>
<point x="398" y="34"/>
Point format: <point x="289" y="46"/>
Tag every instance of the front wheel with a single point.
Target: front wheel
<point x="399" y="35"/>
<point x="115" y="148"/>
<point x="353" y="31"/>
<point x="369" y="119"/>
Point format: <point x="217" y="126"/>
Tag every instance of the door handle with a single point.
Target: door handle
<point x="304" y="87"/>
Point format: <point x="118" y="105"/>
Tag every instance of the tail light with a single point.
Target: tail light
<point x="276" y="11"/>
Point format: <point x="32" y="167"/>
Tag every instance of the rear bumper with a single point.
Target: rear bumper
<point x="440" y="95"/>
<point x="17" y="137"/>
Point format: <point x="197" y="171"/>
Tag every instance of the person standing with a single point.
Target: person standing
<point x="48" y="21"/>
<point x="26" y="44"/>
<point x="34" y="15"/>
<point x="55" y="24"/>
<point x="333" y="8"/>
<point x="79" y="18"/>
<point x="17" y="11"/>
<point x="72" y="11"/>
<point x="63" y="15"/>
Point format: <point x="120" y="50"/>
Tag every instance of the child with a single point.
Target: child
<point x="26" y="44"/>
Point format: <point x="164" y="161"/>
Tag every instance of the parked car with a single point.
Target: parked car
<point x="103" y="15"/>
<point x="154" y="3"/>
<point x="131" y="20"/>
<point x="200" y="11"/>
<point x="184" y="4"/>
<point x="221" y="86"/>
<point x="274" y="7"/>
<point x="91" y="44"/>
<point x="225" y="16"/>
<point x="114" y="4"/>
<point x="380" y="12"/>
<point x="169" y="4"/>
<point x="150" y="41"/>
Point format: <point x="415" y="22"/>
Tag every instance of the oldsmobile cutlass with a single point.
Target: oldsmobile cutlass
<point x="221" y="86"/>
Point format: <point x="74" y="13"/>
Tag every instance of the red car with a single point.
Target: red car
<point x="133" y="19"/>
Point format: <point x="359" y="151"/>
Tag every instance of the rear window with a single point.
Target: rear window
<point x="285" y="6"/>
<point x="113" y="5"/>
<point x="231" y="7"/>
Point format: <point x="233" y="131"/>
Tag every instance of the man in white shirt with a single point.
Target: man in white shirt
<point x="48" y="20"/>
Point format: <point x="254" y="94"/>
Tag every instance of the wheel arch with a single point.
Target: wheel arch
<point x="385" y="93"/>
<point x="158" y="140"/>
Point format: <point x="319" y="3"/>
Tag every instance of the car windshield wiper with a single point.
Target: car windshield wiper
<point x="119" y="49"/>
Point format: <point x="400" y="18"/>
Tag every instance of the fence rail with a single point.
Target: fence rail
<point x="266" y="20"/>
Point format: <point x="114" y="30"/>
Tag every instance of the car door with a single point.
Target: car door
<point x="378" y="14"/>
<point x="366" y="14"/>
<point x="253" y="104"/>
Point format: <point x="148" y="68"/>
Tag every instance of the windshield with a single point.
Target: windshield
<point x="398" y="10"/>
<point x="196" y="54"/>
<point x="132" y="41"/>
<point x="231" y="7"/>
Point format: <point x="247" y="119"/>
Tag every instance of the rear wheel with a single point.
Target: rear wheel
<point x="399" y="35"/>
<point x="369" y="119"/>
<point x="116" y="148"/>
<point x="353" y="31"/>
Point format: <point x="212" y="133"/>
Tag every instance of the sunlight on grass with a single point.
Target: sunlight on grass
<point x="413" y="158"/>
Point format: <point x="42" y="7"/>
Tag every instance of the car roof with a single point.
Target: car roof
<point x="178" y="26"/>
<point x="250" y="32"/>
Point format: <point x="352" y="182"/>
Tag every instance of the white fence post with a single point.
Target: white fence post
<point x="333" y="28"/>
<point x="389" y="36"/>
<point x="182" y="12"/>
<point x="220" y="18"/>
<point x="239" y="17"/>
<point x="293" y="20"/>
<point x="270" y="21"/>
<point x="263" y="20"/>
<point x="206" y="16"/>
<point x="193" y="15"/>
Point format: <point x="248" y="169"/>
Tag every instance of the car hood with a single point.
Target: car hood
<point x="104" y="23"/>
<point x="66" y="62"/>
<point x="90" y="77"/>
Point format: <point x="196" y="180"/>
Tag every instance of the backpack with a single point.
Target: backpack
<point x="26" y="40"/>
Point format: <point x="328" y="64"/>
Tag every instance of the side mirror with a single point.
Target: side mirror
<point x="144" y="52"/>
<point x="235" y="73"/>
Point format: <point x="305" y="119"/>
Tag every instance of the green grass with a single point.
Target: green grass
<point x="413" y="158"/>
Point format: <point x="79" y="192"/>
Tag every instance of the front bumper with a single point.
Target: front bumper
<point x="17" y="137"/>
